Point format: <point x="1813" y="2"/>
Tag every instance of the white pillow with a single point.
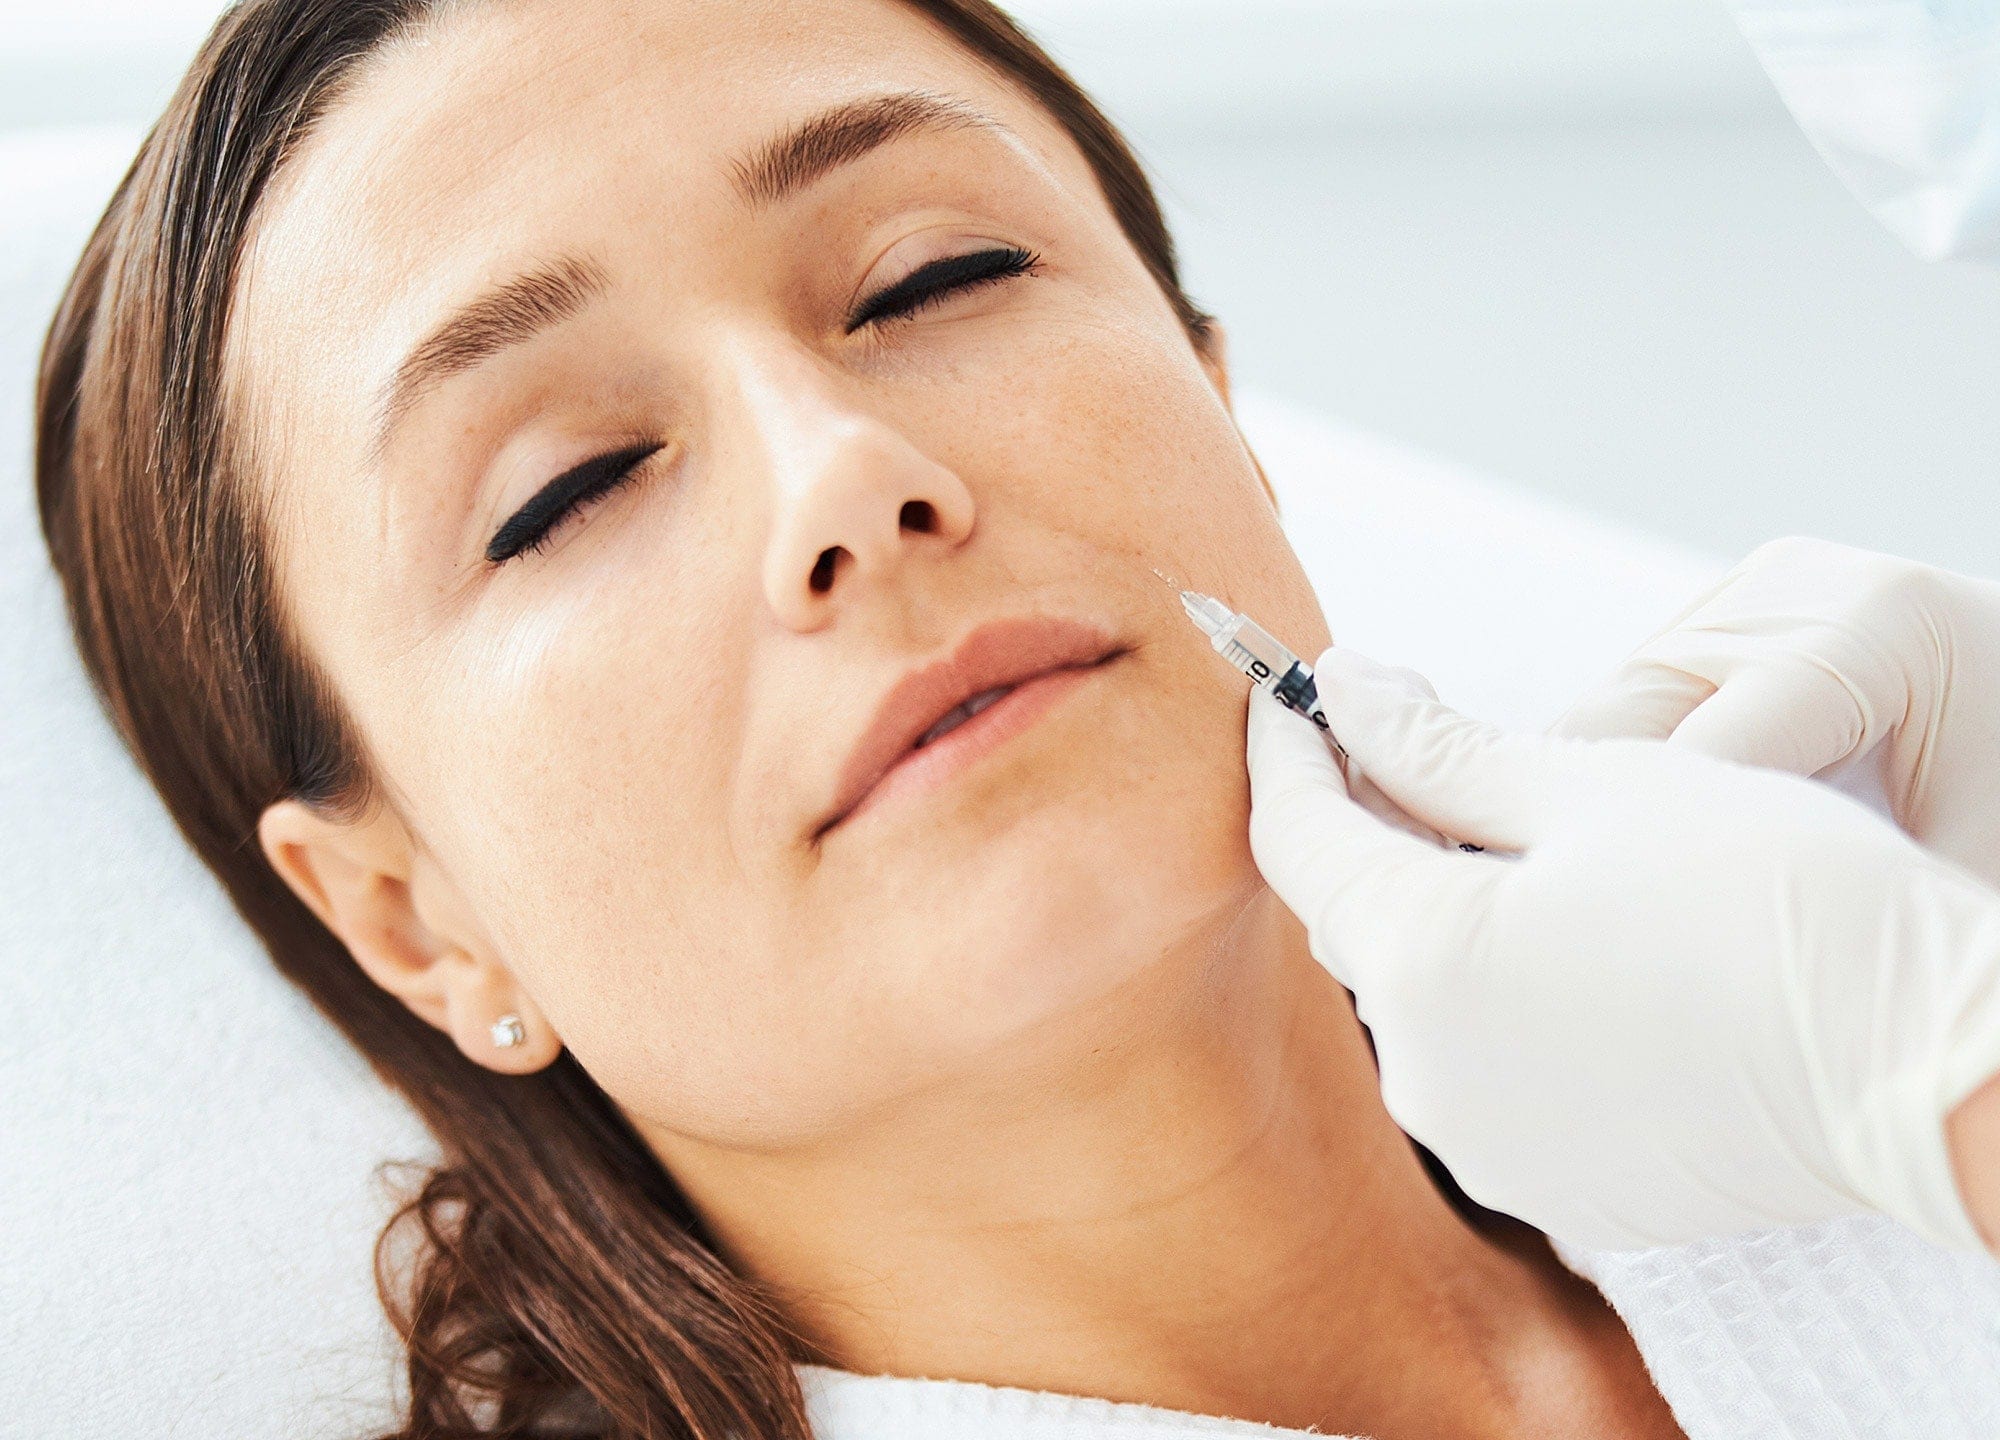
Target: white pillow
<point x="186" y="1205"/>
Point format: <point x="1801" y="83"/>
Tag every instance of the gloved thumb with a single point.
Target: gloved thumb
<point x="1460" y="776"/>
<point x="1788" y="713"/>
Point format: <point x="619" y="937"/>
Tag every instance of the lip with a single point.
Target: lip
<point x="1012" y="652"/>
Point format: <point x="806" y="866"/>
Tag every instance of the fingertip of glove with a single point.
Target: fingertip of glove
<point x="1278" y="736"/>
<point x="1358" y="688"/>
<point x="1265" y="718"/>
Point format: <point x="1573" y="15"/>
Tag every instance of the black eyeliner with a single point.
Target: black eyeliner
<point x="939" y="276"/>
<point x="547" y="504"/>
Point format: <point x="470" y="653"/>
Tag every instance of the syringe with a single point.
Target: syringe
<point x="1256" y="652"/>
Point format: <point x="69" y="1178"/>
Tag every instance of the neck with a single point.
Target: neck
<point x="1210" y="1213"/>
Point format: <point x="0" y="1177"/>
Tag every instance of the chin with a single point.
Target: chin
<point x="1076" y="903"/>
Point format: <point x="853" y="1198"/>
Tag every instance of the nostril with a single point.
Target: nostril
<point x="822" y="576"/>
<point x="919" y="515"/>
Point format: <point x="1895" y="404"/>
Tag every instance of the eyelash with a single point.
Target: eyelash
<point x="564" y="498"/>
<point x="535" y="524"/>
<point x="928" y="284"/>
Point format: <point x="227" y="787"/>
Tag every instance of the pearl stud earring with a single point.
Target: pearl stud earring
<point x="508" y="1032"/>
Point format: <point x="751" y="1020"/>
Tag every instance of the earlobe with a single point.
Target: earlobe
<point x="362" y="880"/>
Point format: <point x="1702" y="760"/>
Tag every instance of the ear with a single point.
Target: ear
<point x="407" y="927"/>
<point x="1213" y="351"/>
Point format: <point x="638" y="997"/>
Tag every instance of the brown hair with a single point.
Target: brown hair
<point x="563" y="1278"/>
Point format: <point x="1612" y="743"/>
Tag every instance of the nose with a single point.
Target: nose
<point x="853" y="497"/>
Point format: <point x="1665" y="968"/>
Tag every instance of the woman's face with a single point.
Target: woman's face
<point x="609" y="756"/>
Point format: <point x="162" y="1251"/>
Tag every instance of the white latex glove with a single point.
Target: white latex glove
<point x="1701" y="998"/>
<point x="1807" y="656"/>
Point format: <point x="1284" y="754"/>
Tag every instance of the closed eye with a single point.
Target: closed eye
<point x="928" y="284"/>
<point x="535" y="523"/>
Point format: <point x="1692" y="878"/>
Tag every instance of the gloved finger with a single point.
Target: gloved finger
<point x="1413" y="680"/>
<point x="1372" y="896"/>
<point x="1787" y="713"/>
<point x="1368" y="795"/>
<point x="1458" y="775"/>
<point x="1643" y="699"/>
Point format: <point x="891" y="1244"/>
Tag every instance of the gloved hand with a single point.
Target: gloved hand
<point x="1805" y="656"/>
<point x="1699" y="998"/>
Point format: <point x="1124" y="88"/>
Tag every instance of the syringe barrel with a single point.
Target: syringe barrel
<point x="1254" y="650"/>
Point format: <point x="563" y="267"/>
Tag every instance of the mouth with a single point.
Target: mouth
<point x="940" y="717"/>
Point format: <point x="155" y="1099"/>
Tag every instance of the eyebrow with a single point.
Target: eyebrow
<point x="844" y="134"/>
<point x="528" y="304"/>
<point x="501" y="318"/>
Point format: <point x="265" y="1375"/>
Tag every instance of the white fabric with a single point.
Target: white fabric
<point x="846" y="1406"/>
<point x="186" y="1202"/>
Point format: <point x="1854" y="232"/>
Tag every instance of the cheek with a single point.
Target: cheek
<point x="587" y="816"/>
<point x="1112" y="431"/>
<point x="1157" y="464"/>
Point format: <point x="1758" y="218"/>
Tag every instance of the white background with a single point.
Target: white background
<point x="1576" y="243"/>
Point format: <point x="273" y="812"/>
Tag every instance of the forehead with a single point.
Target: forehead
<point x="504" y="132"/>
